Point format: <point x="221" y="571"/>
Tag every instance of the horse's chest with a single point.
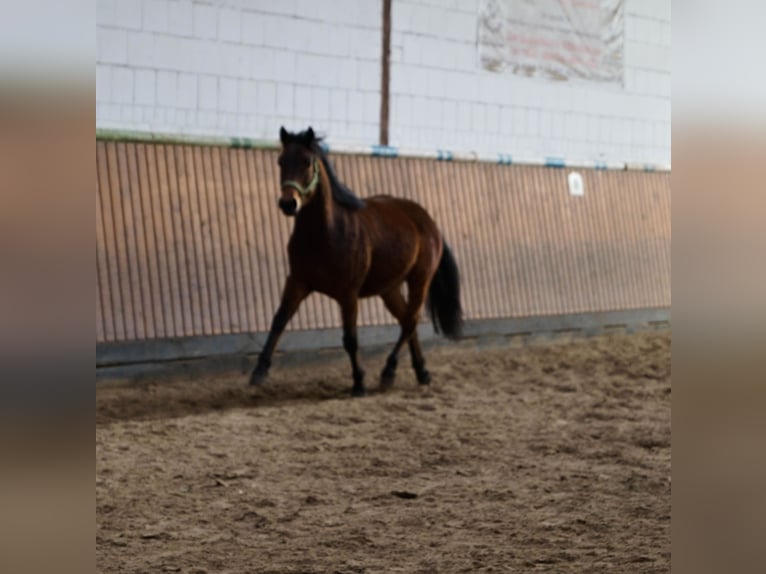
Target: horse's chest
<point x="324" y="265"/>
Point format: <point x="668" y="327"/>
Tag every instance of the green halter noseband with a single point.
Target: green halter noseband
<point x="304" y="191"/>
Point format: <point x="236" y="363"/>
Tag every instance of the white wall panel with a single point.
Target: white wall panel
<point x="242" y="68"/>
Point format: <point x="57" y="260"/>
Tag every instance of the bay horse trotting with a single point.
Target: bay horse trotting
<point x="348" y="248"/>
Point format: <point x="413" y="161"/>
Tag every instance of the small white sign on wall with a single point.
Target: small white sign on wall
<point x="576" y="186"/>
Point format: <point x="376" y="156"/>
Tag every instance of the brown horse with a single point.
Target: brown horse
<point x="348" y="248"/>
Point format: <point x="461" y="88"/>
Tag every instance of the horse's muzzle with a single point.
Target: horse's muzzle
<point x="289" y="206"/>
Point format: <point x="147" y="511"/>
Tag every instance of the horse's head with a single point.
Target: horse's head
<point x="298" y="169"/>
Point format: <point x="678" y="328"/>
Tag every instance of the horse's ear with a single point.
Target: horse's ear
<point x="283" y="135"/>
<point x="310" y="134"/>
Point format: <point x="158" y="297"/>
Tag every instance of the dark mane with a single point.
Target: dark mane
<point x="340" y="192"/>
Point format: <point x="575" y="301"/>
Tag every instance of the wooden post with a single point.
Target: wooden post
<point x="386" y="73"/>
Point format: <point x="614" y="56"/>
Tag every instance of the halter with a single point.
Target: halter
<point x="304" y="191"/>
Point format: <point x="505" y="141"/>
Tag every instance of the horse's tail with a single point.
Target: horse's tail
<point x="444" y="297"/>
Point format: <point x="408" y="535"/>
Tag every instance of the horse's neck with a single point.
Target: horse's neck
<point x="319" y="215"/>
<point x="328" y="208"/>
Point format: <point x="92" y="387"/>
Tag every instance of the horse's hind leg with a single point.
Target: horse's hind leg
<point x="349" y="311"/>
<point x="418" y="362"/>
<point x="397" y="306"/>
<point x="292" y="296"/>
<point x="407" y="315"/>
<point x="417" y="289"/>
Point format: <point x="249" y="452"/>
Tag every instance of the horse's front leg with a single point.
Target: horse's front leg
<point x="349" y="309"/>
<point x="292" y="296"/>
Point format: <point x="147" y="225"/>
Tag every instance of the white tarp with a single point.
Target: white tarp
<point x="555" y="39"/>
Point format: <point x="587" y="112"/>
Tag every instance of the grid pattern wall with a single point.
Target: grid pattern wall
<point x="441" y="98"/>
<point x="242" y="68"/>
<point x="239" y="67"/>
<point x="190" y="242"/>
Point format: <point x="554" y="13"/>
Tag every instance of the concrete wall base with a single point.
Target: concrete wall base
<point x="195" y="356"/>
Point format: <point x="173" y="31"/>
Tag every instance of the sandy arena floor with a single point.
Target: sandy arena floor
<point x="553" y="458"/>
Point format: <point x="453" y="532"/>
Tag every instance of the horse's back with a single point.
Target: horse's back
<point x="397" y="207"/>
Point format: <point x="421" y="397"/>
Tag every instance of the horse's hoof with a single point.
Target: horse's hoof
<point x="424" y="378"/>
<point x="358" y="391"/>
<point x="257" y="379"/>
<point x="386" y="382"/>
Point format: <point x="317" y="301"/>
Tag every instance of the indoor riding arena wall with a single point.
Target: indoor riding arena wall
<point x="191" y="248"/>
